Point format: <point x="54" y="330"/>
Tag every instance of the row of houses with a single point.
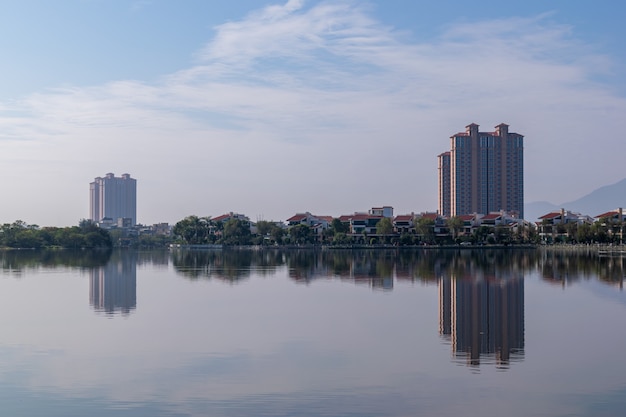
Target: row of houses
<point x="550" y="225"/>
<point x="367" y="222"/>
<point x="561" y="222"/>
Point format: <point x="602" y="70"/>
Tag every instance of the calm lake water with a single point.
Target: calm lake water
<point x="305" y="333"/>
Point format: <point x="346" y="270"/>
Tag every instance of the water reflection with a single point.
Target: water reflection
<point x="113" y="287"/>
<point x="293" y="347"/>
<point x="565" y="268"/>
<point x="17" y="262"/>
<point x="382" y="268"/>
<point x="482" y="317"/>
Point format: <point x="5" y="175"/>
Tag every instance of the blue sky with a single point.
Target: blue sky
<point x="271" y="108"/>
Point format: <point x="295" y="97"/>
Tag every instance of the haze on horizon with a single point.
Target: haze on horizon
<point x="268" y="108"/>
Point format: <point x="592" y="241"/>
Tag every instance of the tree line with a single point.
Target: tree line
<point x="86" y="235"/>
<point x="424" y="231"/>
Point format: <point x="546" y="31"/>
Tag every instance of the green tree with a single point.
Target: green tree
<point x="455" y="224"/>
<point x="425" y="228"/>
<point x="341" y="238"/>
<point x="338" y="226"/>
<point x="301" y="234"/>
<point x="269" y="232"/>
<point x="385" y="228"/>
<point x="236" y="232"/>
<point x="406" y="239"/>
<point x="502" y="235"/>
<point x="481" y="234"/>
<point x="193" y="230"/>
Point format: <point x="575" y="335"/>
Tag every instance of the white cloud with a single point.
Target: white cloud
<point x="318" y="107"/>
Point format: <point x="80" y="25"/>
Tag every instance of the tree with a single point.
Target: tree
<point x="269" y="232"/>
<point x="426" y="229"/>
<point x="385" y="228"/>
<point x="406" y="239"/>
<point x="338" y="226"/>
<point x="264" y="228"/>
<point x="481" y="234"/>
<point x="455" y="224"/>
<point x="301" y="234"/>
<point x="277" y="234"/>
<point x="341" y="238"/>
<point x="193" y="230"/>
<point x="236" y="232"/>
<point x="502" y="234"/>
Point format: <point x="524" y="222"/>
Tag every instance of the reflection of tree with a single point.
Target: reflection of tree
<point x="18" y="260"/>
<point x="612" y="270"/>
<point x="381" y="267"/>
<point x="567" y="267"/>
<point x="227" y="265"/>
<point x="158" y="258"/>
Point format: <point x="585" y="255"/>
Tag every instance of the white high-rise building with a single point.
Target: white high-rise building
<point x="113" y="198"/>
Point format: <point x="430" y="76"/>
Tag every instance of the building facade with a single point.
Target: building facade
<point x="444" y="184"/>
<point x="113" y="198"/>
<point x="483" y="172"/>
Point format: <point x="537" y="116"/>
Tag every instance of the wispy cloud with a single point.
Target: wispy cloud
<point x="330" y="104"/>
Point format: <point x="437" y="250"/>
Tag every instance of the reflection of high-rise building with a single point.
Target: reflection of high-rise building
<point x="445" y="307"/>
<point x="483" y="172"/>
<point x="483" y="317"/>
<point x="113" y="287"/>
<point x="114" y="198"/>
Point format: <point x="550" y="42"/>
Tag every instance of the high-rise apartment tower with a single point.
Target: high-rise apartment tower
<point x="483" y="172"/>
<point x="114" y="198"/>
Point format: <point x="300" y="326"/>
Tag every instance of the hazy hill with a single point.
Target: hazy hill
<point x="596" y="202"/>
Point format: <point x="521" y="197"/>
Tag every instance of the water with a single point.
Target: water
<point x="302" y="333"/>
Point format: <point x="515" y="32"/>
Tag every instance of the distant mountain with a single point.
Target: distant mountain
<point x="596" y="202"/>
<point x="532" y="211"/>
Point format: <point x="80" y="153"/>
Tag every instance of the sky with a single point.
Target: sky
<point x="269" y="108"/>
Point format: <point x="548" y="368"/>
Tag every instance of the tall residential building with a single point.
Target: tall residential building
<point x="114" y="198"/>
<point x="483" y="172"/>
<point x="444" y="183"/>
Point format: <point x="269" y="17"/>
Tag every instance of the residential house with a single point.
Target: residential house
<point x="404" y="223"/>
<point x="317" y="223"/>
<point x="614" y="222"/>
<point x="553" y="225"/>
<point x="384" y="211"/>
<point x="360" y="223"/>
